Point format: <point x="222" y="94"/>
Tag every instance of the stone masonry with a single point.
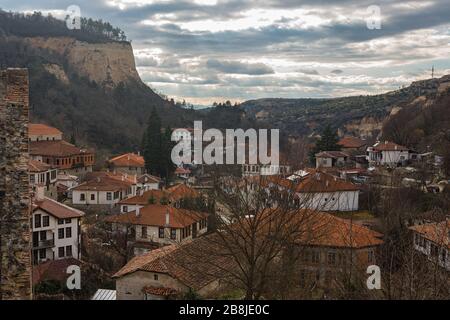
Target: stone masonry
<point x="15" y="260"/>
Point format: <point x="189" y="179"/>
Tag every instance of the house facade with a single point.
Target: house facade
<point x="329" y="159"/>
<point x="42" y="132"/>
<point x="105" y="189"/>
<point x="129" y="163"/>
<point x="43" y="175"/>
<point x="389" y="153"/>
<point x="433" y="240"/>
<point x="160" y="224"/>
<point x="55" y="231"/>
<point x="68" y="158"/>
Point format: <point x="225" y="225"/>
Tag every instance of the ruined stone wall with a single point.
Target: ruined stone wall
<point x="15" y="260"/>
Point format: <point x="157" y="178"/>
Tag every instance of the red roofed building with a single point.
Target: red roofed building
<point x="56" y="230"/>
<point x="43" y="175"/>
<point x="329" y="159"/>
<point x="433" y="240"/>
<point x="68" y="158"/>
<point x="161" y="224"/>
<point x="130" y="163"/>
<point x="389" y="153"/>
<point x="42" y="132"/>
<point x="172" y="271"/>
<point x="349" y="143"/>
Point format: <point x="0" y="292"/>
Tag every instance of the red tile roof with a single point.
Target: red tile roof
<point x="56" y="209"/>
<point x="174" y="193"/>
<point x="148" y="178"/>
<point x="317" y="181"/>
<point x="182" y="191"/>
<point x="389" y="146"/>
<point x="351" y="142"/>
<point x="438" y="232"/>
<point x="37" y="166"/>
<point x="38" y="129"/>
<point x="59" y="148"/>
<point x="104" y="183"/>
<point x="53" y="270"/>
<point x="155" y="215"/>
<point x="191" y="263"/>
<point x="331" y="154"/>
<point x="128" y="160"/>
<point x="182" y="171"/>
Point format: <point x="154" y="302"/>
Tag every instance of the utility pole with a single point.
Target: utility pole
<point x="432" y="72"/>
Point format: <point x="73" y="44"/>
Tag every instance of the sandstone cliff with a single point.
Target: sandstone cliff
<point x="107" y="64"/>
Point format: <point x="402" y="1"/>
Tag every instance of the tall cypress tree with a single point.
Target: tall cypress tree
<point x="167" y="146"/>
<point x="328" y="142"/>
<point x="152" y="145"/>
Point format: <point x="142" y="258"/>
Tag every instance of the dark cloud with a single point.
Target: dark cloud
<point x="308" y="71"/>
<point x="336" y="71"/>
<point x="239" y="67"/>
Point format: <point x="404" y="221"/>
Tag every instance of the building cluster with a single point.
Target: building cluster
<point x="57" y="190"/>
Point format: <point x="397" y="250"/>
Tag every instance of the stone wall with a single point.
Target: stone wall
<point x="15" y="260"/>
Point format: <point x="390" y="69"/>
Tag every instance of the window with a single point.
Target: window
<point x="42" y="254"/>
<point x="82" y="197"/>
<point x="315" y="257"/>
<point x="37" y="221"/>
<point x="68" y="251"/>
<point x="68" y="232"/>
<point x="61" y="252"/>
<point x="61" y="233"/>
<point x="45" y="221"/>
<point x="43" y="235"/>
<point x="371" y="257"/>
<point x="109" y="196"/>
<point x="144" y="232"/>
<point x="68" y="220"/>
<point x="60" y="221"/>
<point x="32" y="179"/>
<point x="92" y="197"/>
<point x="173" y="234"/>
<point x="331" y="258"/>
<point x="155" y="277"/>
<point x="125" y="208"/>
<point x="161" y="232"/>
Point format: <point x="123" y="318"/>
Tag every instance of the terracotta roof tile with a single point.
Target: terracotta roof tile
<point x="388" y="146"/>
<point x="155" y="215"/>
<point x="128" y="160"/>
<point x="57" y="209"/>
<point x="331" y="154"/>
<point x="438" y="232"/>
<point x="55" y="148"/>
<point x="351" y="142"/>
<point x="37" y="166"/>
<point x="160" y="291"/>
<point x="39" y="129"/>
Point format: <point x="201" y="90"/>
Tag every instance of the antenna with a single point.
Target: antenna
<point x="432" y="72"/>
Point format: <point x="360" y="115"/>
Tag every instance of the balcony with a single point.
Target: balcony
<point x="44" y="244"/>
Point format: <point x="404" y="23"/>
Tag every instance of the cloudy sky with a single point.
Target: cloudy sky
<point x="212" y="50"/>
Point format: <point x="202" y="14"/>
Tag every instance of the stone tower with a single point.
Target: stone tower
<point x="15" y="260"/>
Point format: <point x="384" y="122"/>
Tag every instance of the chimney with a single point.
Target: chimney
<point x="98" y="179"/>
<point x="167" y="217"/>
<point x="139" y="153"/>
<point x="39" y="193"/>
<point x="138" y="211"/>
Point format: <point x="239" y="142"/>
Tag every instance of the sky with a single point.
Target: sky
<point x="215" y="50"/>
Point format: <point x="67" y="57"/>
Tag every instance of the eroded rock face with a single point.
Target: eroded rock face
<point x="107" y="64"/>
<point x="367" y="127"/>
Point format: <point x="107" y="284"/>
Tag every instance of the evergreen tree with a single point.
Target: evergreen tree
<point x="167" y="146"/>
<point x="328" y="142"/>
<point x="152" y="147"/>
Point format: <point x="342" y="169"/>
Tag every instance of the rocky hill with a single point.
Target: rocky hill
<point x="364" y="116"/>
<point x="83" y="82"/>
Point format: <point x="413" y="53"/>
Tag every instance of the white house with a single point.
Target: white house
<point x="329" y="159"/>
<point x="389" y="153"/>
<point x="55" y="230"/>
<point x="147" y="182"/>
<point x="318" y="190"/>
<point x="43" y="175"/>
<point x="249" y="170"/>
<point x="129" y="163"/>
<point x="433" y="240"/>
<point x="104" y="188"/>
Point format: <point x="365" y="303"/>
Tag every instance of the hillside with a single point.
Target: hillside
<point x="364" y="116"/>
<point x="83" y="82"/>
